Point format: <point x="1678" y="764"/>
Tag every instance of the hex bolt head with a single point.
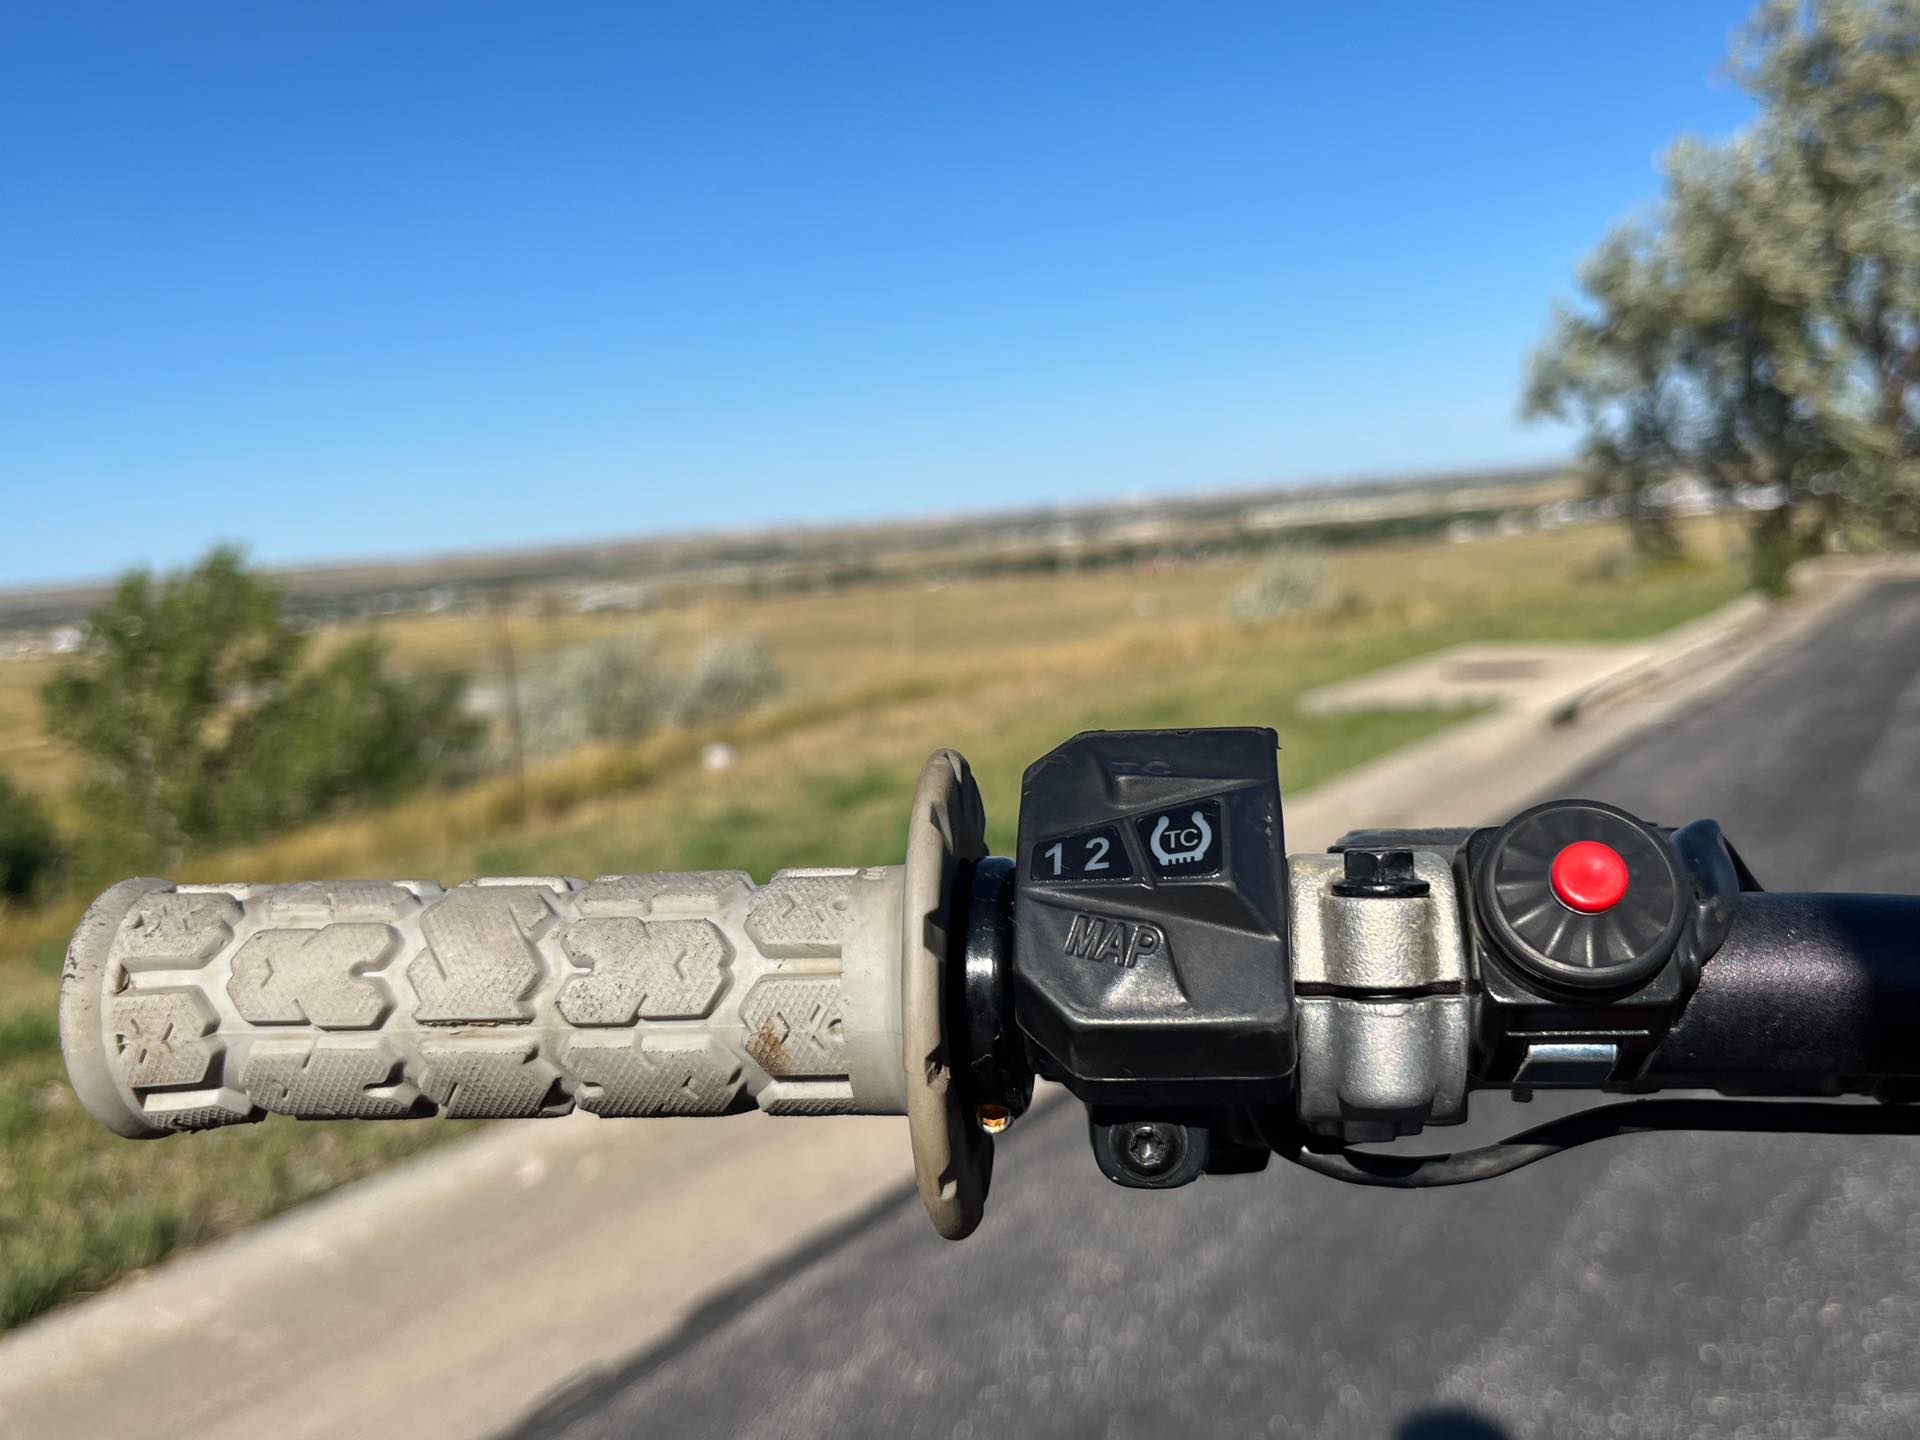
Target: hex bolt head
<point x="1379" y="875"/>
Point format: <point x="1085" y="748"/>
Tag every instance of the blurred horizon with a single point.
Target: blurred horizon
<point x="359" y="282"/>
<point x="1341" y="500"/>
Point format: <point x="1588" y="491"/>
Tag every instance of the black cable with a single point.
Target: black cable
<point x="1631" y="1117"/>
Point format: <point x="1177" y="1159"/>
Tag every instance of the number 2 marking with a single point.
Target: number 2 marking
<point x="1097" y="847"/>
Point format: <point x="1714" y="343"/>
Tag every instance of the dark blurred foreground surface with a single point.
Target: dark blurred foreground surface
<point x="1659" y="1286"/>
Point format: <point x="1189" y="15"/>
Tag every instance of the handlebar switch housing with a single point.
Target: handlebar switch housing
<point x="1591" y="928"/>
<point x="1150" y="959"/>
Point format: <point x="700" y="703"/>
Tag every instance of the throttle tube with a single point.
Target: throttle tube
<point x="185" y="1007"/>
<point x="1811" y="994"/>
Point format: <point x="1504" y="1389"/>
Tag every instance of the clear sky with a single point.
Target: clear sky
<point x="340" y="278"/>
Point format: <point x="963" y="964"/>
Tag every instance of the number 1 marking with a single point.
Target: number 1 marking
<point x="1054" y="853"/>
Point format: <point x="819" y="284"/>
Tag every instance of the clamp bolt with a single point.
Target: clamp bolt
<point x="1380" y="875"/>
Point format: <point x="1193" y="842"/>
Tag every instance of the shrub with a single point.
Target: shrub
<point x="729" y="678"/>
<point x="615" y="689"/>
<point x="30" y="851"/>
<point x="1291" y="580"/>
<point x="622" y="688"/>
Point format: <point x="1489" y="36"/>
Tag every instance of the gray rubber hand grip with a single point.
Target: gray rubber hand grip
<point x="192" y="1006"/>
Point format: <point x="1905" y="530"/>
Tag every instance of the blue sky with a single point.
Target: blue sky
<point x="372" y="278"/>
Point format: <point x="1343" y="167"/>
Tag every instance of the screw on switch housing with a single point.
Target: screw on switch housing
<point x="1148" y="1154"/>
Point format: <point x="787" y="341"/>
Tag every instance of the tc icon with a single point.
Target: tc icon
<point x="1184" y="842"/>
<point x="1184" y="845"/>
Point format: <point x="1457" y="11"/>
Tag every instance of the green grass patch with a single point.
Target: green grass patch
<point x="79" y="1208"/>
<point x="30" y="1034"/>
<point x="509" y="859"/>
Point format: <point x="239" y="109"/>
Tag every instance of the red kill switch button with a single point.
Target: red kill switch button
<point x="1589" y="877"/>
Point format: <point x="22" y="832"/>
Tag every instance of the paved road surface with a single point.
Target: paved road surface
<point x="1735" y="1286"/>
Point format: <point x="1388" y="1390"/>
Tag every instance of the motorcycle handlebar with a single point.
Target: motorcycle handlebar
<point x="187" y="1007"/>
<point x="1211" y="1007"/>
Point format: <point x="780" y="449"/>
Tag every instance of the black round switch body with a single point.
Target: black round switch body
<point x="1582" y="896"/>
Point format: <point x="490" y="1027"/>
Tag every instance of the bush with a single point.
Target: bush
<point x="30" y="851"/>
<point x="615" y="689"/>
<point x="620" y="689"/>
<point x="342" y="733"/>
<point x="1771" y="554"/>
<point x="730" y="678"/>
<point x="1292" y="580"/>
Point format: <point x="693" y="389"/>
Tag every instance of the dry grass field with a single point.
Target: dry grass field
<point x="855" y="638"/>
<point x="1001" y="669"/>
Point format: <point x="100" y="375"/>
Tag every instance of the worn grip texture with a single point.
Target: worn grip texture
<point x="192" y="1006"/>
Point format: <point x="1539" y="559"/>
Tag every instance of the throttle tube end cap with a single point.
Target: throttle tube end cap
<point x="84" y="981"/>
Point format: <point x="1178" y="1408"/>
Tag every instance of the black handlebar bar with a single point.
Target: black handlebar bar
<point x="1810" y="994"/>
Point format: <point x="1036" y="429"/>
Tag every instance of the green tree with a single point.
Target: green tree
<point x="203" y="719"/>
<point x="1762" y="329"/>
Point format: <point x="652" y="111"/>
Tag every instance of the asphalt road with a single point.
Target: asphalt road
<point x="1659" y="1286"/>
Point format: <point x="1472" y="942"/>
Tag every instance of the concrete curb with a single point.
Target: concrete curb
<point x="1731" y="624"/>
<point x="1822" y="585"/>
